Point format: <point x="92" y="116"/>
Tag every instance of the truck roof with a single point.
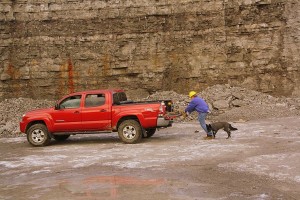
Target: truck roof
<point x="96" y="91"/>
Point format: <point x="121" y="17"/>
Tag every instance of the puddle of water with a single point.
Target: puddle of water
<point x="269" y="165"/>
<point x="111" y="186"/>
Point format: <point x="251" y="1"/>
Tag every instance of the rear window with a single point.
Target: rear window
<point x="119" y="97"/>
<point x="94" y="100"/>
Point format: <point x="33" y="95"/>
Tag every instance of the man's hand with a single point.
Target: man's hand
<point x="184" y="114"/>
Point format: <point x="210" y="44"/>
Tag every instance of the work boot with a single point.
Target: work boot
<point x="208" y="137"/>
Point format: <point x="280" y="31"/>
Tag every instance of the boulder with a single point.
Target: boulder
<point x="238" y="103"/>
<point x="220" y="105"/>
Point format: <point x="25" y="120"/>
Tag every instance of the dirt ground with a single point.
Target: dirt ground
<point x="260" y="161"/>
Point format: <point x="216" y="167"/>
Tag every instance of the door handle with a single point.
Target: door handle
<point x="103" y="110"/>
<point x="76" y="112"/>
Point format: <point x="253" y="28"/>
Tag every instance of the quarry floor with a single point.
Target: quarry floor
<point x="260" y="161"/>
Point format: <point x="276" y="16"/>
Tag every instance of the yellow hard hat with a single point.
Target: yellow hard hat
<point x="192" y="93"/>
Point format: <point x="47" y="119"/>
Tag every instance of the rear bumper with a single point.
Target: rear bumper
<point x="162" y="122"/>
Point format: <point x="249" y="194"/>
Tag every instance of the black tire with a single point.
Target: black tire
<point x="149" y="132"/>
<point x="130" y="131"/>
<point x="38" y="135"/>
<point x="61" y="137"/>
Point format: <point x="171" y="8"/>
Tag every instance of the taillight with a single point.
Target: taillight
<point x="162" y="109"/>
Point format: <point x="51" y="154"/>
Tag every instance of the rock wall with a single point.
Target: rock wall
<point x="50" y="48"/>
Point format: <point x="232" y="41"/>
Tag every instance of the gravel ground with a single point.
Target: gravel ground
<point x="259" y="162"/>
<point x="226" y="103"/>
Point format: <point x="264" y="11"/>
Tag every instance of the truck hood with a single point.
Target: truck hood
<point x="39" y="111"/>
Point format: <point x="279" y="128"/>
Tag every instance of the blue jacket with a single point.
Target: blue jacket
<point x="197" y="104"/>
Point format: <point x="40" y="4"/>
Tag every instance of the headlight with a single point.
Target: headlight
<point x="22" y="117"/>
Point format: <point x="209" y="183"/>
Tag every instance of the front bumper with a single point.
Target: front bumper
<point x="22" y="127"/>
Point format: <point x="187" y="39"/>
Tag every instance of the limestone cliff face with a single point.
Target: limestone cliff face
<point x="49" y="48"/>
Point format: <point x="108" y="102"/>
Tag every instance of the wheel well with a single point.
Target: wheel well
<point x="33" y="123"/>
<point x="132" y="117"/>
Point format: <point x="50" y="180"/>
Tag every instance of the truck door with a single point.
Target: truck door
<point x="67" y="116"/>
<point x="96" y="112"/>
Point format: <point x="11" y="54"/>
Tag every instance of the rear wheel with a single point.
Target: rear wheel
<point x="149" y="132"/>
<point x="130" y="131"/>
<point x="38" y="135"/>
<point x="61" y="137"/>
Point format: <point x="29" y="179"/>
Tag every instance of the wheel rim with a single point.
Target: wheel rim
<point x="129" y="132"/>
<point x="38" y="136"/>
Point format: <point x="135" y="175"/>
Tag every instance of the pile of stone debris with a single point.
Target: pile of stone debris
<point x="235" y="104"/>
<point x="11" y="111"/>
<point x="226" y="104"/>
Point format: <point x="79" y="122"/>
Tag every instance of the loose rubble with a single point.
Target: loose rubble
<point x="226" y="103"/>
<point x="234" y="104"/>
<point x="11" y="111"/>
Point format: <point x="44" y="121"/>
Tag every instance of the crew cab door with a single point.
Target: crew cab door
<point x="67" y="114"/>
<point x="96" y="112"/>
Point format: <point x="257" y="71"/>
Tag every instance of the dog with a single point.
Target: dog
<point x="214" y="127"/>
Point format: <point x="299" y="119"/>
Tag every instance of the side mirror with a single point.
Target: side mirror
<point x="56" y="107"/>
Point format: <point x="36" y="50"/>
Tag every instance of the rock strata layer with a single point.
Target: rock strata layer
<point x="50" y="48"/>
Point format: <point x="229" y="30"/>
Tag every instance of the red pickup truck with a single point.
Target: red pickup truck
<point x="96" y="111"/>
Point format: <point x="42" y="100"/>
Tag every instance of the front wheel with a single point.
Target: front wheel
<point x="130" y="131"/>
<point x="38" y="135"/>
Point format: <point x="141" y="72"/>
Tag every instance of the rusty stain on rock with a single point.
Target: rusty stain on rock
<point x="71" y="76"/>
<point x="106" y="65"/>
<point x="65" y="79"/>
<point x="12" y="72"/>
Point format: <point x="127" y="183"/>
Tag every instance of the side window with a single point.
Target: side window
<point x="119" y="97"/>
<point x="71" y="102"/>
<point x="94" y="100"/>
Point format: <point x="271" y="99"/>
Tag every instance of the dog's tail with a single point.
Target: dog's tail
<point x="232" y="128"/>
